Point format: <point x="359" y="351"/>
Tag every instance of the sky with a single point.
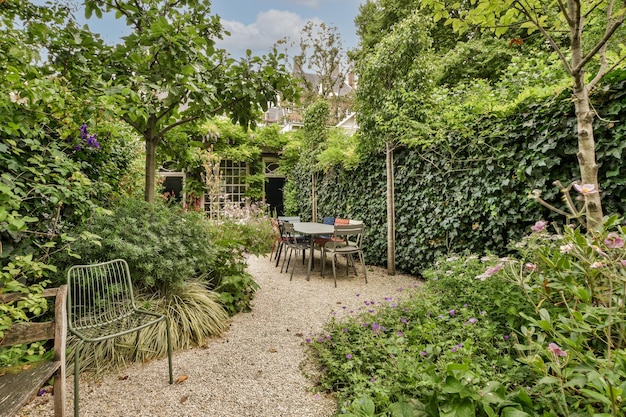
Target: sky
<point x="258" y="24"/>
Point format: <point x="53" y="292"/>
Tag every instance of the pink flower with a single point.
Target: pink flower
<point x="567" y="248"/>
<point x="596" y="265"/>
<point x="613" y="241"/>
<point x="622" y="262"/>
<point x="539" y="226"/>
<point x="530" y="266"/>
<point x="585" y="189"/>
<point x="490" y="271"/>
<point x="556" y="350"/>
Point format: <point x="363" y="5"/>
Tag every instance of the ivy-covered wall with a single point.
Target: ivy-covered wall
<point x="471" y="194"/>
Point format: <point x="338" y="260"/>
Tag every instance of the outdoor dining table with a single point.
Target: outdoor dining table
<point x="313" y="229"/>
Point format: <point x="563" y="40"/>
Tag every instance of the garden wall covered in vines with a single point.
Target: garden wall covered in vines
<point x="471" y="192"/>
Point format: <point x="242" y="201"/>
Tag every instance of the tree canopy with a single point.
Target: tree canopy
<point x="167" y="72"/>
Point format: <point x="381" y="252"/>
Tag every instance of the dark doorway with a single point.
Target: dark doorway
<point x="173" y="188"/>
<point x="274" y="195"/>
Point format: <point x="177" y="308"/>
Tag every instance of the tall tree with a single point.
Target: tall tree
<point x="167" y="71"/>
<point x="586" y="36"/>
<point x="322" y="67"/>
<point x="394" y="83"/>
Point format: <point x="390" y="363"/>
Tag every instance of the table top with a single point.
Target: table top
<point x="312" y="228"/>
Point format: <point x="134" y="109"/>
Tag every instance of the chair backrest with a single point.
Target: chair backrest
<point x="99" y="294"/>
<point x="291" y="219"/>
<point x="328" y="220"/>
<point x="289" y="233"/>
<point x="348" y="235"/>
<point x="342" y="221"/>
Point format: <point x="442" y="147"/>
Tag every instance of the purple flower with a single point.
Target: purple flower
<point x="403" y="320"/>
<point x="539" y="226"/>
<point x="472" y="320"/>
<point x="613" y="241"/>
<point x="423" y="353"/>
<point x="308" y="340"/>
<point x="83" y="131"/>
<point x="345" y="330"/>
<point x="506" y="337"/>
<point x="91" y="141"/>
<point x="400" y="334"/>
<point x="556" y="350"/>
<point x="373" y="380"/>
<point x="349" y="356"/>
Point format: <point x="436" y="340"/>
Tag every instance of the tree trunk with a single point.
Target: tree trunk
<point x="391" y="212"/>
<point x="151" y="145"/>
<point x="587" y="152"/>
<point x="314" y="197"/>
<point x="584" y="118"/>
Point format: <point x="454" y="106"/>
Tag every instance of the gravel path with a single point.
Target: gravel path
<point x="253" y="369"/>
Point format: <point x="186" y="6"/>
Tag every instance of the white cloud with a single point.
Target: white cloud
<point x="261" y="35"/>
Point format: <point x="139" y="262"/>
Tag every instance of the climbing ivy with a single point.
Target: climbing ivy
<point x="471" y="193"/>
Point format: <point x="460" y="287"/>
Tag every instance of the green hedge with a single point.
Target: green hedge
<point x="471" y="193"/>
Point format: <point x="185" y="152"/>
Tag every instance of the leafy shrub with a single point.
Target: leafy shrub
<point x="574" y="338"/>
<point x="164" y="246"/>
<point x="167" y="246"/>
<point x="439" y="352"/>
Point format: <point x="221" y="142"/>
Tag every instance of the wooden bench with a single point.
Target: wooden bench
<point x="18" y="387"/>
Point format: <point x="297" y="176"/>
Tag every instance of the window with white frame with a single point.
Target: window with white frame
<point x="232" y="187"/>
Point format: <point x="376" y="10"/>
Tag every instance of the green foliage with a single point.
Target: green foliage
<point x="164" y="246"/>
<point x="573" y="338"/>
<point x="469" y="190"/>
<point x="542" y="335"/>
<point x="52" y="171"/>
<point x="394" y="87"/>
<point x="315" y="120"/>
<point x="476" y="59"/>
<point x="341" y="150"/>
<point x="430" y="354"/>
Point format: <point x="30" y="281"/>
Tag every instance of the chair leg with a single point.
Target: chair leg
<point x="278" y="253"/>
<point x="286" y="258"/>
<point x="76" y="377"/>
<point x="334" y="269"/>
<point x="362" y="258"/>
<point x="169" y="348"/>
